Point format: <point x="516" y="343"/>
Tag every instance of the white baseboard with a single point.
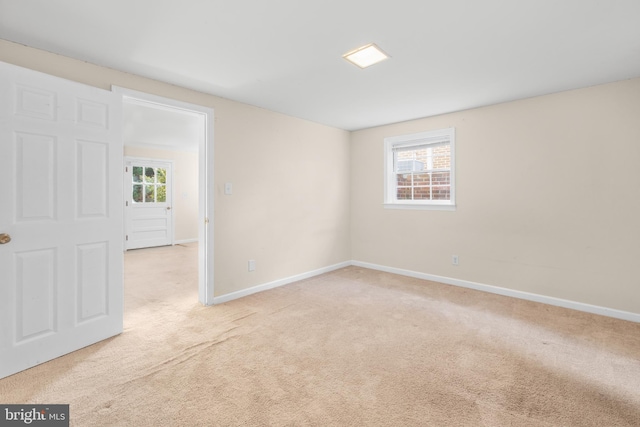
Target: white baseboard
<point x="588" y="308"/>
<point x="185" y="241"/>
<point x="604" y="311"/>
<point x="277" y="283"/>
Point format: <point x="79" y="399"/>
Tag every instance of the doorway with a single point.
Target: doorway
<point x="199" y="120"/>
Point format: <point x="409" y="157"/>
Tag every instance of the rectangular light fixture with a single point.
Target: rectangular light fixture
<point x="366" y="56"/>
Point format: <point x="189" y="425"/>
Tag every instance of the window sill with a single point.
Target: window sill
<point x="424" y="207"/>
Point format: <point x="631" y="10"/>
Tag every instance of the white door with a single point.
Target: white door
<point x="61" y="274"/>
<point x="148" y="208"/>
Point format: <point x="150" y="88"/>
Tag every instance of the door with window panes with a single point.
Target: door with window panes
<point x="148" y="208"/>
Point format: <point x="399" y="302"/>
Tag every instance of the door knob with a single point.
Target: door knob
<point x="168" y="208"/>
<point x="4" y="239"/>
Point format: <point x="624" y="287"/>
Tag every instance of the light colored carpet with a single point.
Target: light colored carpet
<point x="349" y="348"/>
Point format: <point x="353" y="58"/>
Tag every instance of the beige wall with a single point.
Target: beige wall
<point x="548" y="195"/>
<point x="548" y="191"/>
<point x="290" y="205"/>
<point x="185" y="187"/>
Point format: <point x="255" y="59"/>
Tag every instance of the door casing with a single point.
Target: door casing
<point x="206" y="188"/>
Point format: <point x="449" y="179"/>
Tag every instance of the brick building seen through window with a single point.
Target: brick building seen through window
<point x="423" y="173"/>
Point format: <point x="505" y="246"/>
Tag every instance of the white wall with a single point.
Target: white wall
<point x="185" y="187"/>
<point x="290" y="207"/>
<point x="548" y="194"/>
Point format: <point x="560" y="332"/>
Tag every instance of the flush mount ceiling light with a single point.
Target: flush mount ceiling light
<point x="365" y="56"/>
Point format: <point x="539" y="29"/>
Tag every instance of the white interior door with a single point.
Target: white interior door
<point x="148" y="207"/>
<point x="61" y="274"/>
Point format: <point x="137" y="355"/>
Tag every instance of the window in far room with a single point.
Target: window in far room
<point x="149" y="185"/>
<point x="419" y="170"/>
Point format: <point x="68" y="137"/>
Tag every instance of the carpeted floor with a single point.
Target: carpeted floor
<point x="349" y="348"/>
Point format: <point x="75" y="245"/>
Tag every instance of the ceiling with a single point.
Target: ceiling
<point x="285" y="55"/>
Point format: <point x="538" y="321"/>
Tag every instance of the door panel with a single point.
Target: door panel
<point x="36" y="285"/>
<point x="93" y="198"/>
<point x="61" y="189"/>
<point x="35" y="191"/>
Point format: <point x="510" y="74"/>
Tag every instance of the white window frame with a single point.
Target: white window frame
<point x="423" y="138"/>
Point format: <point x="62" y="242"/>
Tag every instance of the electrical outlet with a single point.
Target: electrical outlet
<point x="228" y="188"/>
<point x="252" y="265"/>
<point x="455" y="260"/>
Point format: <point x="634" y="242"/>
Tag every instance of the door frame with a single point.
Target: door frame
<point x="128" y="190"/>
<point x="206" y="188"/>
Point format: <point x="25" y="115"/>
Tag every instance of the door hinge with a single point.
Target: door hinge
<point x="126" y="237"/>
<point x="126" y="168"/>
<point x="126" y="203"/>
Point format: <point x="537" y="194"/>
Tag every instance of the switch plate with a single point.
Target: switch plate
<point x="252" y="265"/>
<point x="228" y="188"/>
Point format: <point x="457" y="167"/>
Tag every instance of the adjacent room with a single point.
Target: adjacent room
<point x="215" y="214"/>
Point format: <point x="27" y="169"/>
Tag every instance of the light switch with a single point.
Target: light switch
<point x="228" y="188"/>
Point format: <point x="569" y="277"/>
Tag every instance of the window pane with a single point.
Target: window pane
<point x="404" y="193"/>
<point x="422" y="179"/>
<point x="441" y="193"/>
<point x="137" y="174"/>
<point x="162" y="176"/>
<point x="422" y="193"/>
<point x="149" y="193"/>
<point x="441" y="178"/>
<point x="403" y="179"/>
<point x="161" y="193"/>
<point x="149" y="175"/>
<point x="137" y="193"/>
<point x="442" y="157"/>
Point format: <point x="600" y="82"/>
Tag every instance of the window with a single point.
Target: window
<point x="149" y="184"/>
<point x="419" y="170"/>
